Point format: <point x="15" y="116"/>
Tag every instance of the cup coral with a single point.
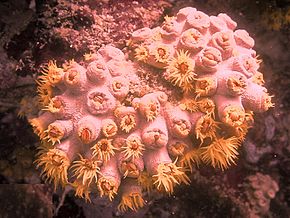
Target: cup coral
<point x="260" y="189"/>
<point x="102" y="132"/>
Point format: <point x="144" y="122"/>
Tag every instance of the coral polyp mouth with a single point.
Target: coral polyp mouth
<point x="99" y="102"/>
<point x="155" y="138"/>
<point x="86" y="170"/>
<point x="233" y="116"/>
<point x="181" y="128"/>
<point x="133" y="147"/>
<point x="192" y="40"/>
<point x="168" y="175"/>
<point x="72" y="77"/>
<point x="161" y="54"/>
<point x="128" y="122"/>
<point x="55" y="164"/>
<point x="206" y="127"/>
<point x="107" y="187"/>
<point x="85" y="135"/>
<point x="180" y="71"/>
<point x="177" y="149"/>
<point x="54" y="134"/>
<point x="98" y="99"/>
<point x="109" y="128"/>
<point x="55" y="105"/>
<point x="205" y="86"/>
<point x="141" y="53"/>
<point x="103" y="150"/>
<point x="151" y="110"/>
<point x="236" y="85"/>
<point x="206" y="106"/>
<point x="129" y="169"/>
<point x="52" y="74"/>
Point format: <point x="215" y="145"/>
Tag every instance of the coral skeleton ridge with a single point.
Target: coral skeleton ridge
<point x="99" y="136"/>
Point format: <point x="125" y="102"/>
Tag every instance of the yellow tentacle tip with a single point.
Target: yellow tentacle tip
<point x="55" y="164"/>
<point x="132" y="201"/>
<point x="168" y="175"/>
<point x="221" y="153"/>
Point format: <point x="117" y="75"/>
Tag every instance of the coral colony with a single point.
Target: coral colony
<point x="100" y="138"/>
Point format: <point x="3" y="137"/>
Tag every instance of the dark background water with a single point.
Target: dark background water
<point x="33" y="32"/>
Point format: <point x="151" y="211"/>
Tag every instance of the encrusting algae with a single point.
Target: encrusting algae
<point x="101" y="135"/>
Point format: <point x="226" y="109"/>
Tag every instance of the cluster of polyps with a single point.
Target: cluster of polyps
<point x="97" y="138"/>
<point x="217" y="69"/>
<point x="94" y="141"/>
<point x="260" y="189"/>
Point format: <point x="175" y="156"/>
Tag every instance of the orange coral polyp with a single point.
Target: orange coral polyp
<point x="82" y="190"/>
<point x="177" y="148"/>
<point x="224" y="41"/>
<point x="127" y="123"/>
<point x="168" y="175"/>
<point x="236" y="85"/>
<point x="191" y="158"/>
<point x="146" y="181"/>
<point x="103" y="150"/>
<point x="72" y="77"/>
<point x="133" y="201"/>
<point x="133" y="147"/>
<point x="180" y="71"/>
<point x="129" y="169"/>
<point x="233" y="115"/>
<point x="161" y="53"/>
<point x="56" y="105"/>
<point x="205" y="86"/>
<point x="54" y="74"/>
<point x="206" y="106"/>
<point x="38" y="129"/>
<point x="54" y="134"/>
<point x="258" y="78"/>
<point x="268" y="101"/>
<point x="141" y="53"/>
<point x="88" y="129"/>
<point x="86" y="170"/>
<point x="192" y="40"/>
<point x="221" y="152"/>
<point x="154" y="138"/>
<point x="98" y="99"/>
<point x="151" y="112"/>
<point x="181" y="128"/>
<point x="189" y="105"/>
<point x="40" y="124"/>
<point x="85" y="135"/>
<point x="45" y="93"/>
<point x="205" y="127"/>
<point x="119" y="87"/>
<point x="107" y="187"/>
<point x="55" y="163"/>
<point x="131" y="196"/>
<point x="109" y="128"/>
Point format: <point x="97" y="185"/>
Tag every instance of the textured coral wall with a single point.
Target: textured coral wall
<point x="61" y="30"/>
